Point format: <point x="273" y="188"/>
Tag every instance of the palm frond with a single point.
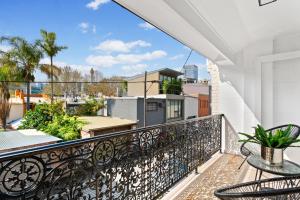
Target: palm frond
<point x="46" y="68"/>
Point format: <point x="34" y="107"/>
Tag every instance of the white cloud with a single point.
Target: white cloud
<point x="125" y="59"/>
<point x="131" y="70"/>
<point x="107" y="35"/>
<point x="84" y="27"/>
<point x="5" y="48"/>
<point x="176" y="57"/>
<point x="94" y="29"/>
<point x="95" y="4"/>
<point x="120" y="46"/>
<point x="146" y="26"/>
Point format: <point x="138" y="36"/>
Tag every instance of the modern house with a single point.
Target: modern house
<point x="159" y="109"/>
<point x="154" y="82"/>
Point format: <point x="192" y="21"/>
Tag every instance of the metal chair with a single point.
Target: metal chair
<point x="246" y="151"/>
<point x="285" y="188"/>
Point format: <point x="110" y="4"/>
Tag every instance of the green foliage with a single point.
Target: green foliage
<point x="279" y="139"/>
<point x="172" y="87"/>
<point x="41" y="116"/>
<point x="26" y="55"/>
<point x="65" y="127"/>
<point x="8" y="72"/>
<point x="165" y="86"/>
<point x="48" y="43"/>
<point x="53" y="120"/>
<point x="91" y="107"/>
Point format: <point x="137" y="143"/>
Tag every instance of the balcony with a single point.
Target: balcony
<point x="136" y="164"/>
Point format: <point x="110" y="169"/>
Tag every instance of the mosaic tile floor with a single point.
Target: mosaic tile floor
<point x="223" y="172"/>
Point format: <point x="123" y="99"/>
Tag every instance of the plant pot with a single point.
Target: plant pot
<point x="272" y="156"/>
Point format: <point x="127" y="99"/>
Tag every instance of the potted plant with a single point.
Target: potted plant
<point x="272" y="143"/>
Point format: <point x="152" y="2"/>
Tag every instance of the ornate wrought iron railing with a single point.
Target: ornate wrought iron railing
<point x="136" y="164"/>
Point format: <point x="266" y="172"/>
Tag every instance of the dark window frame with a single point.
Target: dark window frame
<point x="152" y="106"/>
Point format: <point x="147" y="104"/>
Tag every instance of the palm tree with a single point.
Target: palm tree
<point x="26" y="56"/>
<point x="8" y="72"/>
<point x="55" y="72"/>
<point x="50" y="49"/>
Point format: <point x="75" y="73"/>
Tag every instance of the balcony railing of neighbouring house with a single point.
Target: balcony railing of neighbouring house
<point x="135" y="164"/>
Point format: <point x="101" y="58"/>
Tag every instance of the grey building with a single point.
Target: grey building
<point x="190" y="73"/>
<point x="160" y="109"/>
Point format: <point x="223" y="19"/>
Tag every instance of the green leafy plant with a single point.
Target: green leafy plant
<point x="41" y="115"/>
<point x="52" y="119"/>
<point x="90" y="107"/>
<point x="279" y="139"/>
<point x="65" y="127"/>
<point x="172" y="87"/>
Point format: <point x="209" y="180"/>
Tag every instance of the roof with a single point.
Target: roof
<point x="195" y="89"/>
<point x="219" y="29"/>
<point x="166" y="71"/>
<point x="100" y="123"/>
<point x="14" y="140"/>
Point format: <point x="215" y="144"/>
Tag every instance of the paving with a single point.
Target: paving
<point x="223" y="172"/>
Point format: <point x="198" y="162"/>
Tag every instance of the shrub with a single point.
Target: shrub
<point x="41" y="116"/>
<point x="53" y="120"/>
<point x="65" y="127"/>
<point x="91" y="107"/>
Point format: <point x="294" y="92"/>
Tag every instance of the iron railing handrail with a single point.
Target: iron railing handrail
<point x="36" y="150"/>
<point x="135" y="164"/>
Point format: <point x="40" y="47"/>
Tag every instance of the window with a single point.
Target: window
<point x="174" y="109"/>
<point x="152" y="106"/>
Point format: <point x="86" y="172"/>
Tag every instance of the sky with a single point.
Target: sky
<point x="98" y="34"/>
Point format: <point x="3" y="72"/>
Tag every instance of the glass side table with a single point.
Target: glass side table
<point x="288" y="169"/>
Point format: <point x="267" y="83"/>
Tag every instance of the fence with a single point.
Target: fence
<point x="135" y="164"/>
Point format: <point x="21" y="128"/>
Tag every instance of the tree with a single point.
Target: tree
<point x="67" y="74"/>
<point x="90" y="107"/>
<point x="26" y="56"/>
<point x="108" y="87"/>
<point x="8" y="72"/>
<point x="48" y="44"/>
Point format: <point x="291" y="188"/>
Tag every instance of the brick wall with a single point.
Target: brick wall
<point x="215" y="87"/>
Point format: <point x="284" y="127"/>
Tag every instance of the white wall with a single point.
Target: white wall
<point x="190" y="106"/>
<point x="16" y="112"/>
<point x="263" y="86"/>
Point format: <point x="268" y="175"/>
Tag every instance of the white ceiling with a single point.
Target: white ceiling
<point x="218" y="28"/>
